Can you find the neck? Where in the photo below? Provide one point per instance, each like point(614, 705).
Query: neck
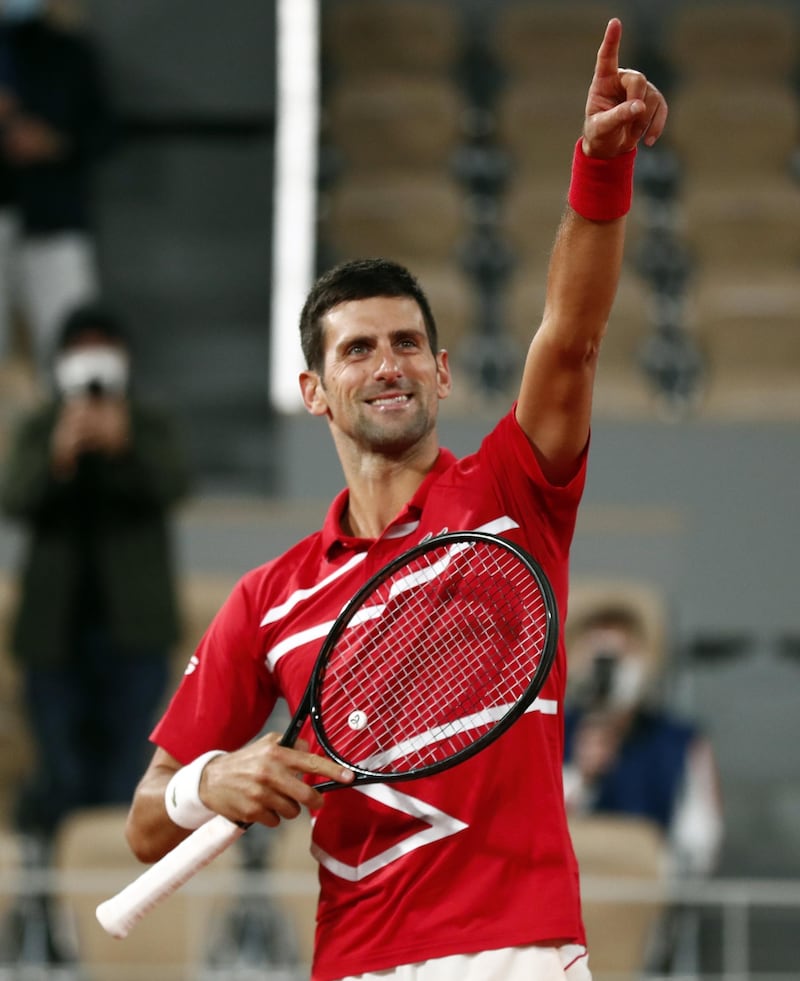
point(380, 488)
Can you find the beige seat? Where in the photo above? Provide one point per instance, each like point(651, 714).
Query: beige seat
point(539, 125)
point(452, 298)
point(746, 40)
point(413, 219)
point(360, 37)
point(551, 40)
point(743, 231)
point(732, 131)
point(622, 863)
point(394, 122)
point(11, 866)
point(93, 861)
point(748, 325)
point(529, 215)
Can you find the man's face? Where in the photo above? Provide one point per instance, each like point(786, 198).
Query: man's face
point(380, 385)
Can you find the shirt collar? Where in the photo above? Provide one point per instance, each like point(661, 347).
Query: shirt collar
point(334, 537)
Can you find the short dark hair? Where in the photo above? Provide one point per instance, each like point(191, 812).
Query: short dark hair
point(358, 279)
point(92, 317)
point(614, 616)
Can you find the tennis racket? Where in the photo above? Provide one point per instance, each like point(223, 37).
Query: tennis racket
point(429, 662)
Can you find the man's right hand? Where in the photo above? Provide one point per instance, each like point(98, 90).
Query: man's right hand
point(263, 782)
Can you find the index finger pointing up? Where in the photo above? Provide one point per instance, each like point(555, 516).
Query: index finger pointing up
point(608, 53)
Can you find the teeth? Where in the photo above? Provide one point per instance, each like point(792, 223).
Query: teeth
point(392, 401)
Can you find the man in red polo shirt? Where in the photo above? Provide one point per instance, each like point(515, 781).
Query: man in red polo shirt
point(468, 874)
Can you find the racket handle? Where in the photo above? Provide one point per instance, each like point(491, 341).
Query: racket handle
point(119, 914)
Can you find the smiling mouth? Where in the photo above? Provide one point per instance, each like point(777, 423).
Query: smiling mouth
point(389, 400)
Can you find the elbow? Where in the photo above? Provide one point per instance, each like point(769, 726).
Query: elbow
point(138, 843)
point(572, 347)
point(148, 845)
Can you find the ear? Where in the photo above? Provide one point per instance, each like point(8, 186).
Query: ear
point(443, 377)
point(313, 393)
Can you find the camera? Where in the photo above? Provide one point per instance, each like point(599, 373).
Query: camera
point(614, 681)
point(597, 688)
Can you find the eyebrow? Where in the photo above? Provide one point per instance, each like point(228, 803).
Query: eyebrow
point(369, 337)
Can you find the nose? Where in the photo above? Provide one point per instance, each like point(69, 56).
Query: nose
point(388, 367)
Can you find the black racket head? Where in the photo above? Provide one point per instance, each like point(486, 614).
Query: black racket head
point(434, 657)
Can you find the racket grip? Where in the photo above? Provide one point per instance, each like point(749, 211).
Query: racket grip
point(119, 914)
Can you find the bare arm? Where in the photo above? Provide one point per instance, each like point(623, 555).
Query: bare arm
point(262, 782)
point(555, 397)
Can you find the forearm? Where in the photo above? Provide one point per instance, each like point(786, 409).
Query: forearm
point(555, 400)
point(149, 830)
point(582, 282)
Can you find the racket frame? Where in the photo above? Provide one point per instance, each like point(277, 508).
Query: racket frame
point(309, 706)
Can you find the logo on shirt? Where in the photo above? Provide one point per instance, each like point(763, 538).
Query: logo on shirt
point(434, 825)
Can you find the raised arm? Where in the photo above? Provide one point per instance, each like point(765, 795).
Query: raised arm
point(555, 397)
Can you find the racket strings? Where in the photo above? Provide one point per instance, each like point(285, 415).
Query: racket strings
point(455, 645)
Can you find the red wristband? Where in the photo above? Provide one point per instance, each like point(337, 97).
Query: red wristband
point(601, 189)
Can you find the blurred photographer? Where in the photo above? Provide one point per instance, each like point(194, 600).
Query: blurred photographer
point(626, 754)
point(93, 475)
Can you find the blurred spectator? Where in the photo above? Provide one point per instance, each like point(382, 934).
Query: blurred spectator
point(55, 122)
point(92, 474)
point(624, 754)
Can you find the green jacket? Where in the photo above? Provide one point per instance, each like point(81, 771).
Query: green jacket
point(131, 496)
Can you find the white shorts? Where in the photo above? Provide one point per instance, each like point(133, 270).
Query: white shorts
point(569, 963)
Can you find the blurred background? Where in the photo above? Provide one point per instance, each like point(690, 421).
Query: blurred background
point(442, 135)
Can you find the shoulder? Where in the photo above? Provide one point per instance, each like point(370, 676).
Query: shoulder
point(302, 563)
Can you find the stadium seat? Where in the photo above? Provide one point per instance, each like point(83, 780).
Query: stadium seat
point(361, 37)
point(728, 131)
point(747, 41)
point(408, 218)
point(93, 861)
point(394, 121)
point(538, 126)
point(550, 40)
point(750, 229)
point(529, 214)
point(11, 868)
point(748, 327)
point(613, 853)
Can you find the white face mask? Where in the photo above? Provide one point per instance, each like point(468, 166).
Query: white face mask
point(627, 685)
point(19, 10)
point(92, 371)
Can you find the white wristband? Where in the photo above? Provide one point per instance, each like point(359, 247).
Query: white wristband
point(182, 796)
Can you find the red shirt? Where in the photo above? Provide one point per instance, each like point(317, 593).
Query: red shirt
point(477, 857)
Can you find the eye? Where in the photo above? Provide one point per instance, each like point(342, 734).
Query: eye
point(408, 343)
